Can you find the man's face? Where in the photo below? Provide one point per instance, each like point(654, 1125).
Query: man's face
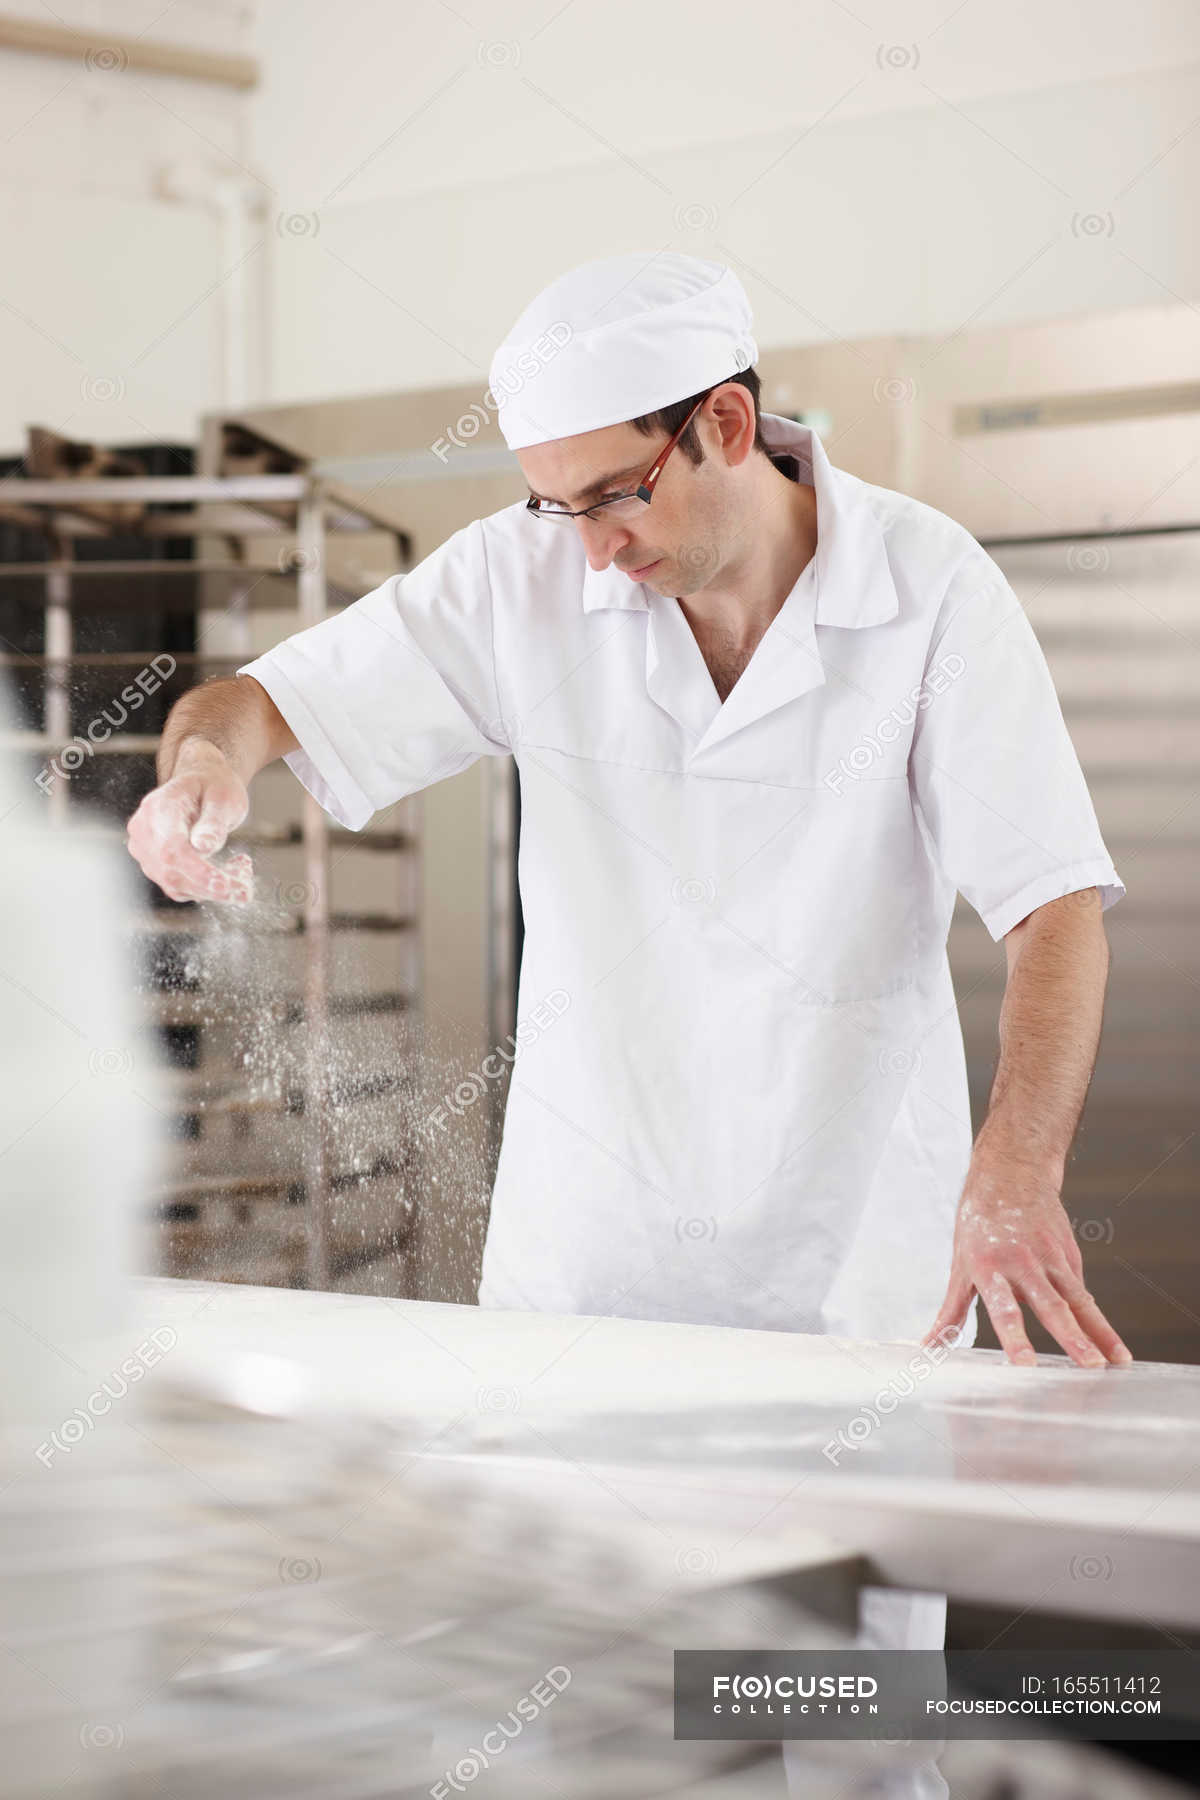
point(680, 532)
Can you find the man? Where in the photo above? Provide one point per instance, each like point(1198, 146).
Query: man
point(768, 719)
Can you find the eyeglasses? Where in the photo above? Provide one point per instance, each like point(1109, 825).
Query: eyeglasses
point(619, 506)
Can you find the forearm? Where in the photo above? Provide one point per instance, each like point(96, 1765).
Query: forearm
point(1013, 1243)
point(236, 717)
point(1049, 1032)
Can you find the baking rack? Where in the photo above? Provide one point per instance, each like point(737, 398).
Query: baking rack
point(268, 539)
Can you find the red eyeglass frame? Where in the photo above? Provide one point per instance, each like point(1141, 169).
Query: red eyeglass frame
point(643, 491)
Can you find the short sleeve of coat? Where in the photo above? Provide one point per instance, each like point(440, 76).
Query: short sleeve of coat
point(994, 773)
point(398, 690)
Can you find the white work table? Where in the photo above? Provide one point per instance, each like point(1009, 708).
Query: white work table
point(1054, 1488)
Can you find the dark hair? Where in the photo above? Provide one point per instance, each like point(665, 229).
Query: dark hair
point(670, 418)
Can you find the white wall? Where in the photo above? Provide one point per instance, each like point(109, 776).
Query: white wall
point(415, 176)
point(886, 167)
point(112, 303)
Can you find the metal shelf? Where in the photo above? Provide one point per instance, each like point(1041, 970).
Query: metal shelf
point(269, 837)
point(128, 744)
point(338, 834)
point(188, 923)
point(172, 565)
point(371, 921)
point(287, 1185)
point(238, 506)
point(179, 1007)
point(112, 659)
point(192, 1090)
point(223, 511)
point(184, 922)
point(239, 586)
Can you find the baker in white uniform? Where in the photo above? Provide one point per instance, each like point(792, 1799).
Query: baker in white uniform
point(768, 719)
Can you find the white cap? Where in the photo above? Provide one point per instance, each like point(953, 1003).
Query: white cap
point(614, 339)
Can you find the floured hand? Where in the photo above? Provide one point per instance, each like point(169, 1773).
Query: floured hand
point(1014, 1247)
point(179, 826)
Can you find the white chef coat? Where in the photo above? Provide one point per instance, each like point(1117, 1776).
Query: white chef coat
point(739, 1095)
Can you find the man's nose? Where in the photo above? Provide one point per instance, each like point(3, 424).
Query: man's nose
point(600, 541)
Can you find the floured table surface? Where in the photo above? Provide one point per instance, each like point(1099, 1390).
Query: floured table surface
point(756, 1452)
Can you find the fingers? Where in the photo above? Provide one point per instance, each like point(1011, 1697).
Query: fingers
point(192, 877)
point(178, 869)
point(1073, 1254)
point(241, 878)
point(1063, 1305)
point(159, 839)
point(1054, 1313)
point(1090, 1317)
point(1002, 1309)
point(953, 1311)
point(212, 827)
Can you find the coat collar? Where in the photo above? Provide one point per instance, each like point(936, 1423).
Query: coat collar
point(854, 583)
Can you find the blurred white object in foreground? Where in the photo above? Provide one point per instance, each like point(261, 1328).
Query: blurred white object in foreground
point(80, 1137)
